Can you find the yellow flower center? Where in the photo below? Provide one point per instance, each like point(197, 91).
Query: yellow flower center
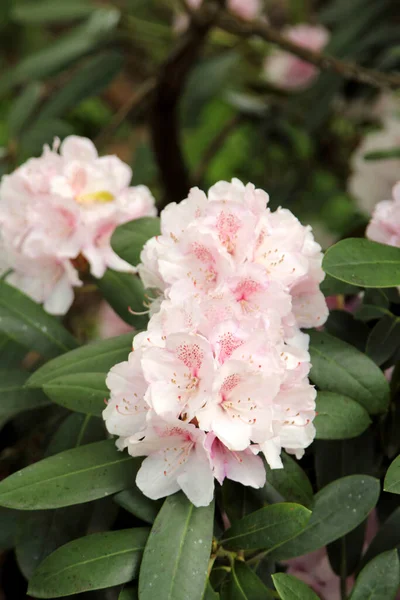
point(101, 197)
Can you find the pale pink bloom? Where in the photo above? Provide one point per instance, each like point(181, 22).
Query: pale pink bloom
point(384, 226)
point(176, 459)
point(244, 9)
point(244, 467)
point(286, 70)
point(61, 206)
point(109, 324)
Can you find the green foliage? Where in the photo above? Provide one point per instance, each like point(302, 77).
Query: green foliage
point(14, 398)
point(392, 479)
point(291, 482)
point(177, 552)
point(246, 585)
point(290, 588)
point(339, 417)
point(126, 294)
point(129, 239)
point(379, 579)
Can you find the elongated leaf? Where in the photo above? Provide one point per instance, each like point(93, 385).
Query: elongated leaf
point(333, 287)
point(26, 323)
point(94, 562)
point(379, 579)
point(50, 11)
point(339, 417)
point(387, 538)
point(72, 477)
point(14, 398)
point(84, 392)
point(384, 339)
point(11, 353)
point(88, 81)
point(364, 263)
point(176, 556)
point(138, 504)
point(346, 327)
point(128, 239)
point(267, 528)
point(340, 368)
point(98, 358)
point(209, 593)
point(125, 292)
point(383, 154)
point(8, 527)
point(291, 588)
point(246, 585)
point(64, 50)
point(40, 532)
point(291, 482)
point(392, 479)
point(338, 508)
point(24, 107)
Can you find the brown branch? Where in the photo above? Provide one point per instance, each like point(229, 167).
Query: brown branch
point(164, 120)
point(348, 70)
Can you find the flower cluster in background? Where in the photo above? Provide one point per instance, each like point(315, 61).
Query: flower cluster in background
point(244, 9)
point(288, 71)
point(222, 371)
point(58, 212)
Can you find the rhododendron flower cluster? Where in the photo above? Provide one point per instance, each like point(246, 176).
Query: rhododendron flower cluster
point(244, 9)
point(59, 211)
point(385, 223)
point(221, 374)
point(286, 70)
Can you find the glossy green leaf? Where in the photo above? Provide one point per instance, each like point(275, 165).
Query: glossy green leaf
point(93, 562)
point(379, 579)
point(26, 323)
point(84, 392)
point(291, 482)
point(339, 417)
point(14, 398)
point(94, 76)
point(128, 239)
point(386, 538)
point(72, 477)
point(384, 339)
point(340, 368)
point(291, 588)
point(209, 593)
point(364, 263)
point(246, 585)
point(50, 11)
point(177, 553)
point(11, 353)
point(138, 504)
point(392, 479)
point(240, 500)
point(97, 357)
point(333, 287)
point(40, 532)
point(125, 293)
point(64, 50)
point(338, 508)
point(267, 528)
point(23, 107)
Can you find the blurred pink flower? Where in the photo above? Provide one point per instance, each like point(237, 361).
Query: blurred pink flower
point(109, 324)
point(384, 226)
point(244, 9)
point(288, 71)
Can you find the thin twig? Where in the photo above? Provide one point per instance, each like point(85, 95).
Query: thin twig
point(138, 100)
point(164, 122)
point(215, 145)
point(348, 70)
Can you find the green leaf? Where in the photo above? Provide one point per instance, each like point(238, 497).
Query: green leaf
point(364, 263)
point(50, 11)
point(340, 368)
point(339, 417)
point(390, 153)
point(338, 508)
point(342, 324)
point(246, 585)
point(90, 80)
point(291, 588)
point(14, 398)
point(267, 528)
point(42, 531)
point(291, 482)
point(8, 527)
point(384, 339)
point(128, 239)
point(129, 593)
point(71, 477)
point(93, 562)
point(209, 593)
point(379, 579)
point(392, 479)
point(386, 538)
point(11, 353)
point(23, 107)
point(97, 357)
point(67, 48)
point(138, 504)
point(125, 293)
point(26, 323)
point(84, 392)
point(333, 287)
point(40, 133)
point(177, 553)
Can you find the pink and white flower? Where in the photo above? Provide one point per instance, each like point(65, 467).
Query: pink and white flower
point(244, 9)
point(385, 223)
point(286, 70)
point(63, 206)
point(223, 366)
